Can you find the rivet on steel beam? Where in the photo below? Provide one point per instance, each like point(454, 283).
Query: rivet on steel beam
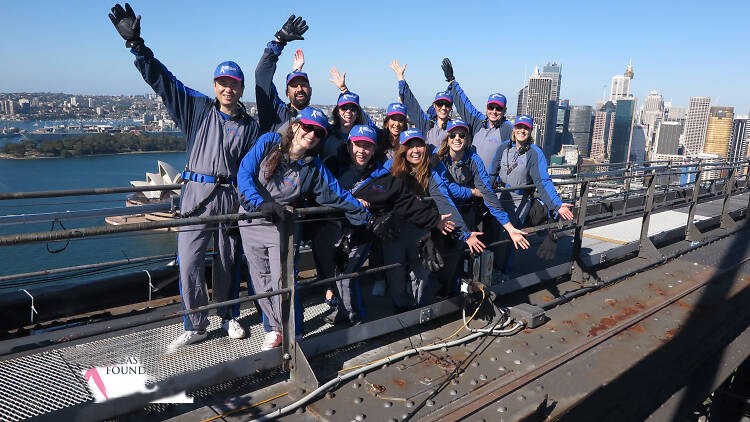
point(393, 420)
point(532, 353)
point(509, 351)
point(361, 376)
point(521, 397)
point(401, 367)
point(473, 382)
point(430, 403)
point(483, 377)
point(492, 359)
point(330, 412)
point(540, 337)
point(502, 409)
point(409, 403)
point(568, 373)
point(359, 417)
point(454, 381)
point(286, 356)
point(356, 385)
point(388, 404)
point(524, 343)
point(358, 400)
point(501, 368)
point(549, 346)
point(517, 362)
point(404, 416)
point(453, 392)
point(474, 364)
point(539, 387)
point(443, 349)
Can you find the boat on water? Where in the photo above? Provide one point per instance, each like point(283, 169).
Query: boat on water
point(610, 320)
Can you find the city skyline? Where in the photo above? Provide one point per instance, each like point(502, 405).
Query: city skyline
point(81, 53)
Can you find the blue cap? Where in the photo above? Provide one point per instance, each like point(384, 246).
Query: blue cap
point(348, 98)
point(396, 108)
point(525, 120)
point(293, 75)
point(443, 95)
point(498, 99)
point(363, 133)
point(230, 69)
point(452, 124)
point(410, 134)
point(313, 116)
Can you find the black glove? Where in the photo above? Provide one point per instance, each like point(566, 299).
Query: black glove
point(343, 248)
point(548, 249)
point(127, 24)
point(448, 70)
point(273, 212)
point(486, 310)
point(428, 254)
point(292, 30)
point(382, 227)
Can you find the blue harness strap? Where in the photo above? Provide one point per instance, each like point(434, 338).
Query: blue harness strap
point(204, 178)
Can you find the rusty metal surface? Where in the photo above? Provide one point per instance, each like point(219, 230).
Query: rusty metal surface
point(508, 378)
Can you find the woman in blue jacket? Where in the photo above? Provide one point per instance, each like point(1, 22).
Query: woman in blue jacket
point(277, 171)
point(412, 165)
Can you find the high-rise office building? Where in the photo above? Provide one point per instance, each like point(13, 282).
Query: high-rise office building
point(738, 142)
point(719, 130)
point(10, 105)
point(653, 108)
point(523, 99)
point(638, 143)
point(91, 103)
point(667, 138)
point(543, 111)
point(622, 130)
point(621, 84)
point(579, 126)
point(674, 114)
point(601, 131)
point(553, 71)
point(696, 123)
point(73, 102)
point(562, 132)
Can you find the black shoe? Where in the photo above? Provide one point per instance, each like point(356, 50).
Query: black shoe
point(332, 317)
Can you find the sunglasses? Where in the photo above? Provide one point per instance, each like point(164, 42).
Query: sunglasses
point(349, 107)
point(495, 107)
point(318, 132)
point(461, 135)
point(442, 104)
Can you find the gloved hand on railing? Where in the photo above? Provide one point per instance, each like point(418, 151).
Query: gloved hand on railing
point(273, 211)
point(381, 226)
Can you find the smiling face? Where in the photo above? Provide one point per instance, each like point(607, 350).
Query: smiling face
point(415, 151)
point(347, 114)
point(521, 132)
point(298, 90)
point(361, 152)
point(495, 112)
point(442, 108)
point(396, 124)
point(306, 137)
point(228, 91)
point(457, 139)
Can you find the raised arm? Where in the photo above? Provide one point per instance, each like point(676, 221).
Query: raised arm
point(183, 104)
point(465, 109)
point(413, 109)
point(339, 80)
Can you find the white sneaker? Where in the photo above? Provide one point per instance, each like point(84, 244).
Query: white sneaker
point(233, 328)
point(188, 337)
point(378, 288)
point(272, 340)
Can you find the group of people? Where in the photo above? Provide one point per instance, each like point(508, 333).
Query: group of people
point(379, 176)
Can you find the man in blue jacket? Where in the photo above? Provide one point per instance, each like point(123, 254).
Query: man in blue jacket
point(219, 133)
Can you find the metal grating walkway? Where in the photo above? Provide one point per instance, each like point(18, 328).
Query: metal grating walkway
point(45, 382)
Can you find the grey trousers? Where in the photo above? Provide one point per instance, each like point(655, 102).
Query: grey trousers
point(260, 241)
point(191, 251)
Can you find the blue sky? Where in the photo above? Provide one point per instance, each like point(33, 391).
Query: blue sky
point(680, 49)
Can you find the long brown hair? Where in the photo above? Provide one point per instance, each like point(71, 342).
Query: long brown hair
point(385, 141)
point(283, 148)
point(444, 148)
point(418, 179)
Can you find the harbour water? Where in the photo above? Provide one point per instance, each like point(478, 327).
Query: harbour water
point(77, 173)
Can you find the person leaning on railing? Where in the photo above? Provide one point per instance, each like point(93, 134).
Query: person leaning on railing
point(518, 162)
point(277, 172)
point(411, 164)
point(219, 132)
point(358, 171)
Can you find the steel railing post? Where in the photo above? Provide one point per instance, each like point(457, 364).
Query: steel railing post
point(628, 178)
point(288, 311)
point(727, 223)
point(577, 272)
point(646, 248)
point(692, 233)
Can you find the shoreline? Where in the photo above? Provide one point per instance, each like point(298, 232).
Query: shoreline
point(11, 157)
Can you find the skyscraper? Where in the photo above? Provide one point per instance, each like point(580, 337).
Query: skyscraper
point(523, 99)
point(696, 123)
point(580, 128)
point(553, 71)
point(621, 84)
point(601, 132)
point(543, 111)
point(622, 130)
point(719, 130)
point(562, 133)
point(738, 143)
point(668, 138)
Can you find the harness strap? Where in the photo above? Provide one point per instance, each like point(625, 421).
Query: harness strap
point(205, 178)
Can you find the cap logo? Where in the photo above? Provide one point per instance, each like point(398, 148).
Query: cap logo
point(225, 68)
point(317, 114)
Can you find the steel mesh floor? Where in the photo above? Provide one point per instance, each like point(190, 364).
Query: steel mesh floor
point(48, 381)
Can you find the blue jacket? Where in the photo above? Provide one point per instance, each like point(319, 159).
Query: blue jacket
point(291, 180)
point(433, 134)
point(468, 173)
point(518, 168)
point(273, 113)
point(438, 191)
point(486, 139)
